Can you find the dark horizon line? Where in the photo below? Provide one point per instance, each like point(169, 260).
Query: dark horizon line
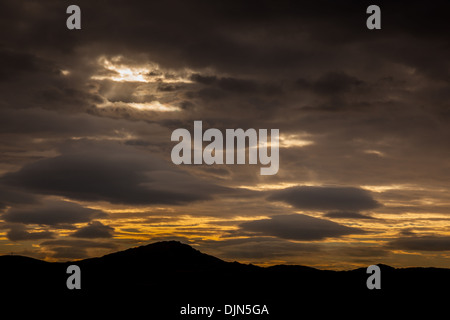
point(173, 242)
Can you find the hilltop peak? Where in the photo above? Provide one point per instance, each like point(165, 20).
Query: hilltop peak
point(167, 255)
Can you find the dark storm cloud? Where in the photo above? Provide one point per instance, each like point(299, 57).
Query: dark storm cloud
point(113, 173)
point(11, 196)
point(203, 79)
point(421, 243)
point(52, 213)
point(16, 64)
point(299, 227)
point(326, 198)
point(245, 45)
point(61, 127)
point(94, 229)
point(46, 123)
point(40, 83)
point(20, 233)
point(334, 83)
point(236, 85)
point(249, 49)
point(243, 36)
point(347, 215)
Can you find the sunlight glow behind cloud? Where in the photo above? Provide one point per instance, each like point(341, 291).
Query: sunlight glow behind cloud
point(116, 69)
point(294, 140)
point(154, 106)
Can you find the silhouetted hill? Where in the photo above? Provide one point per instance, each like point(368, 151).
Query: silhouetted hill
point(160, 278)
point(162, 255)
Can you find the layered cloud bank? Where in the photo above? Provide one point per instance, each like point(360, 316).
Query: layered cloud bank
point(86, 118)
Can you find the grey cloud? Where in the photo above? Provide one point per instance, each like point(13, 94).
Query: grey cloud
point(113, 173)
point(94, 229)
point(326, 198)
point(421, 243)
point(299, 227)
point(74, 249)
point(79, 243)
point(16, 64)
point(41, 123)
point(11, 196)
point(228, 83)
point(335, 83)
point(51, 212)
point(168, 87)
point(69, 253)
point(347, 215)
point(241, 36)
point(44, 84)
point(408, 232)
point(118, 91)
point(20, 233)
point(203, 79)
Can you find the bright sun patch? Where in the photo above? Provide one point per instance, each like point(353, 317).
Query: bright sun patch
point(294, 140)
point(117, 69)
point(154, 106)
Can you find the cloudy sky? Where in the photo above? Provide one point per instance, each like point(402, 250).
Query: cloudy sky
point(86, 118)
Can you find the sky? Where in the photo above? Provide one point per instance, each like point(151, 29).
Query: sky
point(86, 118)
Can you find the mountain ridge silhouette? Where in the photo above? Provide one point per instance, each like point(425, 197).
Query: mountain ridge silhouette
point(166, 275)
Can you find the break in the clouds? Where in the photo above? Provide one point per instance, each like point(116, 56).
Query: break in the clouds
point(326, 198)
point(299, 227)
